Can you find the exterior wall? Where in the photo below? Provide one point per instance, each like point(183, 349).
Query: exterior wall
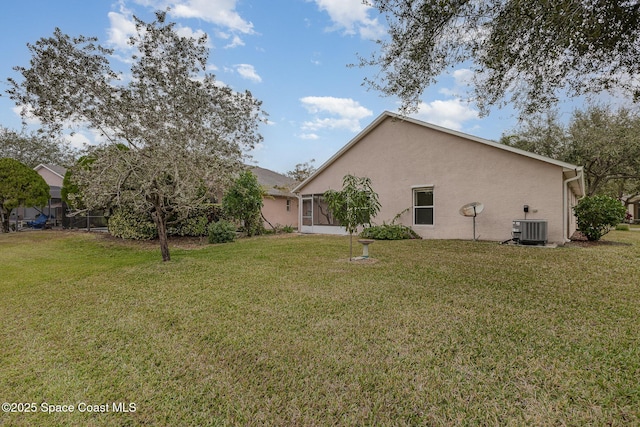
point(634, 210)
point(399, 156)
point(274, 209)
point(50, 178)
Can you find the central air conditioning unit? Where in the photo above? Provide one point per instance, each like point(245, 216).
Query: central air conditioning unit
point(529, 231)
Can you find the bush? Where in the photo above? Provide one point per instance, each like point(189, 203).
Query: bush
point(389, 232)
point(192, 226)
point(243, 202)
point(222, 232)
point(597, 215)
point(287, 229)
point(128, 225)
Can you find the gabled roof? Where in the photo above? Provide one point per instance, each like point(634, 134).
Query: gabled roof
point(569, 169)
point(274, 183)
point(58, 170)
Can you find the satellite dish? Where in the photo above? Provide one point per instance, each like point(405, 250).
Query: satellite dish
point(472, 209)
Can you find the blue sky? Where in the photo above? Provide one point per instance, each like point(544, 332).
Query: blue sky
point(291, 54)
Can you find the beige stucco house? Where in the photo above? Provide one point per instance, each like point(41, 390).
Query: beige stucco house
point(427, 173)
point(280, 205)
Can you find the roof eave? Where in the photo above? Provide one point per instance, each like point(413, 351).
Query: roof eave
point(42, 165)
point(344, 149)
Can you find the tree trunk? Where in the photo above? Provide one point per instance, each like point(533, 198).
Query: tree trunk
point(4, 221)
point(161, 224)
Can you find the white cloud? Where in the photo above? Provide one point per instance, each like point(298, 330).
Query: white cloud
point(122, 28)
point(235, 42)
point(26, 114)
point(451, 113)
point(462, 83)
point(332, 123)
point(76, 133)
point(248, 72)
point(352, 16)
point(463, 77)
point(342, 106)
point(348, 112)
point(219, 12)
point(309, 136)
point(188, 32)
point(77, 140)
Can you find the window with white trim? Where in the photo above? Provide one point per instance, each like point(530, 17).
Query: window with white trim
point(423, 206)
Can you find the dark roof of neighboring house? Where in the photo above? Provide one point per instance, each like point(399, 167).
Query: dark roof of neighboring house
point(274, 183)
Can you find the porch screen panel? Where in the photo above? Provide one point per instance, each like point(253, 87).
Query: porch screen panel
point(307, 211)
point(321, 213)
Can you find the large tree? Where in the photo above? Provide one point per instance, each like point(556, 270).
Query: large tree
point(185, 134)
point(34, 148)
point(302, 171)
point(19, 186)
point(527, 52)
point(605, 142)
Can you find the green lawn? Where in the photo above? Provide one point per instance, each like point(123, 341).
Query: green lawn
point(286, 331)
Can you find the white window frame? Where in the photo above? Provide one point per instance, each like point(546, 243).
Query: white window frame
point(418, 188)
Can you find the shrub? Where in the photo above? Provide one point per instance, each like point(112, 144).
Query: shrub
point(222, 232)
point(129, 225)
point(287, 229)
point(126, 224)
point(243, 202)
point(597, 215)
point(192, 226)
point(389, 232)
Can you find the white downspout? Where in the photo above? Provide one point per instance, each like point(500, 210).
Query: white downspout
point(565, 207)
point(299, 198)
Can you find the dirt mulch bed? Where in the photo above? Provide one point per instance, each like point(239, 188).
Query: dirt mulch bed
point(591, 244)
point(579, 240)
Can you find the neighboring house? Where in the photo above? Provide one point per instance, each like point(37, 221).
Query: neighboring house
point(633, 208)
point(53, 175)
point(280, 205)
point(427, 173)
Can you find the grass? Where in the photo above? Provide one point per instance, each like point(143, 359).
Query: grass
point(286, 331)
